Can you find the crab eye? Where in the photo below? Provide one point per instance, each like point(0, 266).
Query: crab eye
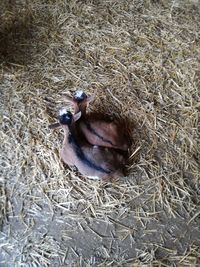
point(79, 95)
point(65, 117)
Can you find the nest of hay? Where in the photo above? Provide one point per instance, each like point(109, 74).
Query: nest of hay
point(142, 58)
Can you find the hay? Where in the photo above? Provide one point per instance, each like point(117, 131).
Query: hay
point(142, 58)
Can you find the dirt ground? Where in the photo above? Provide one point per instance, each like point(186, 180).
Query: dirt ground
point(143, 58)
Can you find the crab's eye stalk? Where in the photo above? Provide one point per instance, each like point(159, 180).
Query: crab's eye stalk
point(65, 117)
point(79, 95)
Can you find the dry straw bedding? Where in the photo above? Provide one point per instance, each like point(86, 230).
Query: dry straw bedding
point(143, 58)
